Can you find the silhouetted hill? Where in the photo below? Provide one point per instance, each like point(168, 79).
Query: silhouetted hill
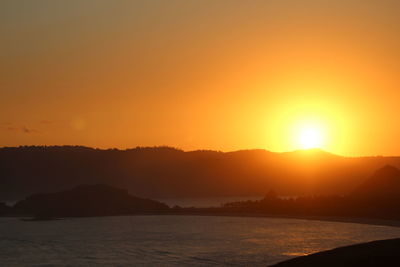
point(86, 200)
point(167, 172)
point(384, 183)
point(4, 209)
point(371, 254)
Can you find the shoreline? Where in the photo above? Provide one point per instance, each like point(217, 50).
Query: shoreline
point(369, 221)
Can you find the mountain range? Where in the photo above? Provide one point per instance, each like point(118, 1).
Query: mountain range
point(160, 172)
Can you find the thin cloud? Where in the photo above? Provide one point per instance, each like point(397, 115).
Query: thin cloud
point(27, 130)
point(46, 122)
point(20, 129)
point(8, 128)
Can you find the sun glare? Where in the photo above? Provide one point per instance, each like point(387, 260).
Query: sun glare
point(310, 137)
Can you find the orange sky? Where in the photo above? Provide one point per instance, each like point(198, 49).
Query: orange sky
point(221, 75)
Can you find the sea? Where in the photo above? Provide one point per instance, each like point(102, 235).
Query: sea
point(205, 202)
point(168, 240)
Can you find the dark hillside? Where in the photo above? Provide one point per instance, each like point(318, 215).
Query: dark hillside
point(168, 172)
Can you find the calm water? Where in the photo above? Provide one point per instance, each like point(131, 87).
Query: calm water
point(205, 202)
point(174, 240)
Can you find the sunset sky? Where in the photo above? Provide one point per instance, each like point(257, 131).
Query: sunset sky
point(221, 75)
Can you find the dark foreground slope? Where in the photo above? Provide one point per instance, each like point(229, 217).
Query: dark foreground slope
point(167, 172)
point(372, 254)
point(86, 200)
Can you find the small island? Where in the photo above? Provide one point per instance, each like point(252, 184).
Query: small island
point(85, 201)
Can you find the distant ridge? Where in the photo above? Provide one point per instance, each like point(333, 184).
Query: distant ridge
point(160, 148)
point(313, 151)
point(385, 182)
point(158, 172)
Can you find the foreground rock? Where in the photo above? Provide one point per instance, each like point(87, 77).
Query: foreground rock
point(376, 253)
point(86, 200)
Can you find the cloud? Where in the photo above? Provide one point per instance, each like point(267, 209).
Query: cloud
point(7, 128)
point(46, 122)
point(29, 130)
point(18, 129)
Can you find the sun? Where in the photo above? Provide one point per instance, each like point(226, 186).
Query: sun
point(309, 125)
point(310, 136)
